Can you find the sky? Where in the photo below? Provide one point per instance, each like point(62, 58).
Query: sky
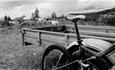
point(17, 8)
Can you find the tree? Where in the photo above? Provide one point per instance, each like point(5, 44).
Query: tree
point(36, 13)
point(6, 22)
point(107, 19)
point(111, 20)
point(54, 15)
point(32, 17)
point(5, 18)
point(62, 16)
point(9, 18)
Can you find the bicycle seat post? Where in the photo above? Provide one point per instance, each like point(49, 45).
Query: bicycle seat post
point(77, 31)
point(75, 19)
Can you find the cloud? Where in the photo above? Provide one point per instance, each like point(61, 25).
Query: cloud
point(19, 11)
point(99, 4)
point(58, 6)
point(66, 6)
point(11, 4)
point(16, 8)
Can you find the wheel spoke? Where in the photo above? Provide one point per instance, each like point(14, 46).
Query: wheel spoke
point(61, 67)
point(50, 62)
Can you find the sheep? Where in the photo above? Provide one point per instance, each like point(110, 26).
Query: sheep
point(54, 22)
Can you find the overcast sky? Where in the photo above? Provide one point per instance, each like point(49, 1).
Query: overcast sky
point(16, 8)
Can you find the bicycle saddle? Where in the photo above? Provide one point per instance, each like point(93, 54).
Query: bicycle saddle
point(75, 17)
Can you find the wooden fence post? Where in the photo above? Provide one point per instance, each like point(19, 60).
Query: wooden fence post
point(23, 41)
point(39, 38)
point(66, 40)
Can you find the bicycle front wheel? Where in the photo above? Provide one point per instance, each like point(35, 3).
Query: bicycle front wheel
point(51, 56)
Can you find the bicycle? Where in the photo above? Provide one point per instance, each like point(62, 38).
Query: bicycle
point(78, 57)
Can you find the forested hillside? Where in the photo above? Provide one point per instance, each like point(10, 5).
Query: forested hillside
point(104, 17)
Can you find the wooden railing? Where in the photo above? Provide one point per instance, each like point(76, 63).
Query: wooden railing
point(41, 36)
point(106, 29)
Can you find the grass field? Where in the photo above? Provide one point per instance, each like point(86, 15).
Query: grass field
point(15, 56)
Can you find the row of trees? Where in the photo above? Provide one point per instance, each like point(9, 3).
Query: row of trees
point(5, 21)
point(108, 19)
point(7, 18)
point(36, 15)
point(102, 19)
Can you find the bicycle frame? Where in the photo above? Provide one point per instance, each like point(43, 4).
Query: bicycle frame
point(79, 40)
point(82, 61)
point(75, 20)
point(83, 48)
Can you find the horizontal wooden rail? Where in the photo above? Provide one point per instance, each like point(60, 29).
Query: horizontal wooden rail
point(107, 29)
point(92, 33)
point(41, 36)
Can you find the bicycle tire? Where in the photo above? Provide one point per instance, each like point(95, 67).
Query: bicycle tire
point(60, 48)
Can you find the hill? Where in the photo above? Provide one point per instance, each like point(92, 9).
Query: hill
point(105, 11)
point(101, 17)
